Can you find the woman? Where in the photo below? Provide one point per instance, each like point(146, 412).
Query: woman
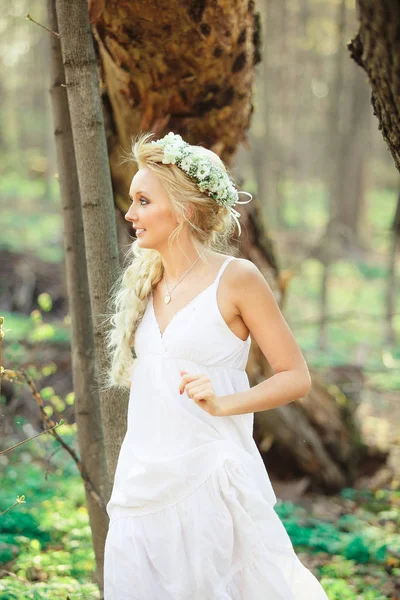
point(191, 512)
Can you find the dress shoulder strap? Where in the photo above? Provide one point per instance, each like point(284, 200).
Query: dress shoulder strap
point(222, 269)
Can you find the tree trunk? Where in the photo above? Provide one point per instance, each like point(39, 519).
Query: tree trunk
point(375, 48)
point(390, 337)
point(182, 66)
point(352, 185)
point(87, 406)
point(267, 154)
point(96, 195)
point(334, 138)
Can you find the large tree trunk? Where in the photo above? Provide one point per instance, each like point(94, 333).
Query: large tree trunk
point(87, 406)
point(189, 67)
point(96, 195)
point(184, 66)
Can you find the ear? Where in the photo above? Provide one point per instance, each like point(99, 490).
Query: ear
point(188, 212)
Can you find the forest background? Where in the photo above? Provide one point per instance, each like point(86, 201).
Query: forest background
point(314, 156)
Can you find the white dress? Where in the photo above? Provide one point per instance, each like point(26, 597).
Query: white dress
point(191, 512)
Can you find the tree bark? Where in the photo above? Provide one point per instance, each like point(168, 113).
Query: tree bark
point(184, 66)
point(375, 48)
point(96, 195)
point(87, 405)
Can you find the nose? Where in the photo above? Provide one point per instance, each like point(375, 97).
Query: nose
point(130, 216)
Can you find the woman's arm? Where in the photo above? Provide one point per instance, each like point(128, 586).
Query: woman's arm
point(256, 304)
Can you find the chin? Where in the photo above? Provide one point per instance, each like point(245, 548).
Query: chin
point(143, 243)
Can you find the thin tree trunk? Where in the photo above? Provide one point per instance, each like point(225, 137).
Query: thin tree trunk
point(323, 334)
point(334, 140)
point(267, 149)
point(96, 200)
point(333, 153)
point(87, 403)
point(391, 280)
point(350, 199)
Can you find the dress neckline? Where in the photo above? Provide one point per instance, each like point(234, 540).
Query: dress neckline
point(188, 304)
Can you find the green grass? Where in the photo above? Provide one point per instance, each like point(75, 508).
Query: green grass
point(48, 538)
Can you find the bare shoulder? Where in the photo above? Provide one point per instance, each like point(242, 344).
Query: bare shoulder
point(245, 267)
point(249, 291)
point(242, 275)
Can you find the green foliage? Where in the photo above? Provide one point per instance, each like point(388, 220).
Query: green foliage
point(355, 558)
point(34, 233)
point(338, 589)
point(32, 219)
point(47, 542)
point(45, 302)
point(20, 328)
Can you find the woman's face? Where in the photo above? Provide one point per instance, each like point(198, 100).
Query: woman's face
point(150, 211)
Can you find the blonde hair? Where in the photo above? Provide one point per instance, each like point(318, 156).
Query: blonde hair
point(210, 227)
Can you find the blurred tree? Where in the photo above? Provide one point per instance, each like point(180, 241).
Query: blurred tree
point(390, 337)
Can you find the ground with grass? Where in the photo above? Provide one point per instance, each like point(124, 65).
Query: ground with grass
point(350, 541)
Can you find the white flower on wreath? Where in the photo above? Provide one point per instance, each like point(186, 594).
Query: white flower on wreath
point(172, 139)
point(203, 170)
point(171, 154)
point(213, 183)
point(185, 163)
point(221, 186)
point(203, 186)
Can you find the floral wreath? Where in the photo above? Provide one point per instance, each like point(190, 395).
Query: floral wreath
point(210, 178)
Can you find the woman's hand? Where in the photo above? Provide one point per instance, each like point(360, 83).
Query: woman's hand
point(199, 388)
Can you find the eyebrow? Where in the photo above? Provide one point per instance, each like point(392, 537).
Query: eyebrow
point(140, 192)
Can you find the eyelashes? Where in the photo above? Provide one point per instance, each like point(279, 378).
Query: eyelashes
point(140, 200)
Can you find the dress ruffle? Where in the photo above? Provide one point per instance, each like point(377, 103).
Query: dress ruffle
point(224, 542)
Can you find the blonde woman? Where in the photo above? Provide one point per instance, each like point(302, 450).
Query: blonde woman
point(192, 509)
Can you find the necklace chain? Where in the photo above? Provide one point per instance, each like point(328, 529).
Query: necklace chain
point(167, 297)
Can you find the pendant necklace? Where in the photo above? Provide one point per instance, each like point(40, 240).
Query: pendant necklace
point(167, 297)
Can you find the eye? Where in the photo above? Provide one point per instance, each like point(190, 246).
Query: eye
point(142, 200)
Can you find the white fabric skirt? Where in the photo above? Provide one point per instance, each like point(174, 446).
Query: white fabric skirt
point(224, 541)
